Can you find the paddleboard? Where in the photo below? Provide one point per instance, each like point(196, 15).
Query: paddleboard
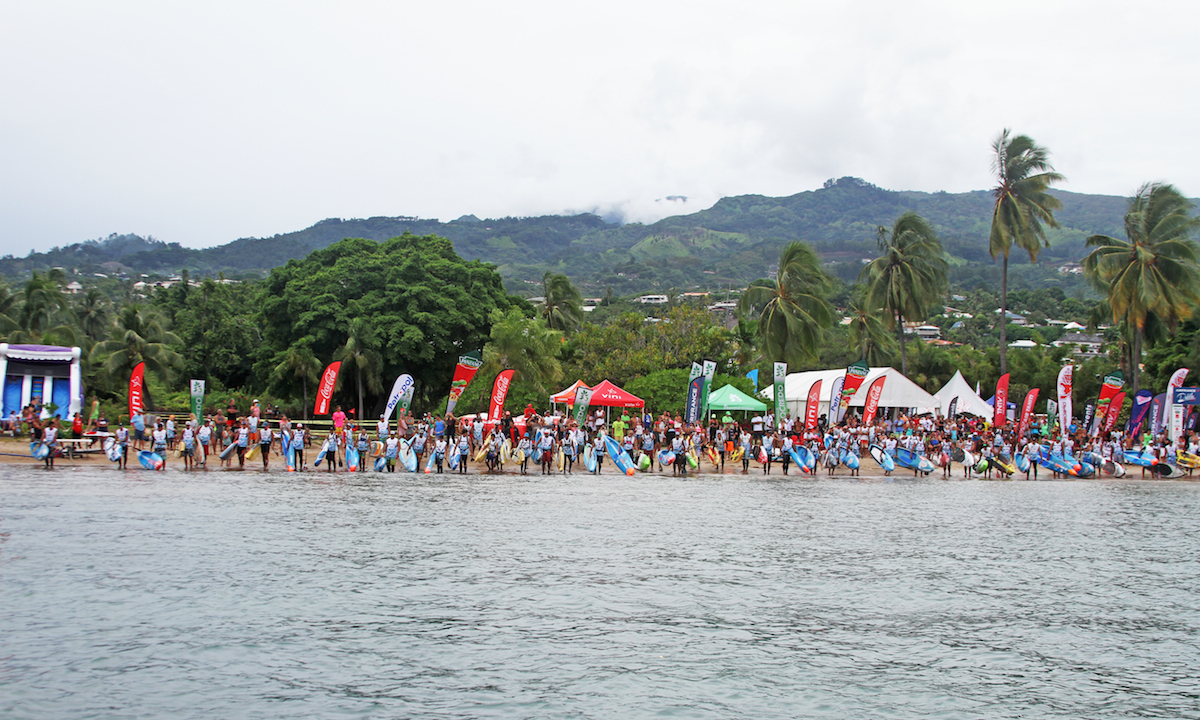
point(506, 448)
point(795, 455)
point(351, 458)
point(1021, 462)
point(380, 464)
point(908, 459)
point(665, 457)
point(1188, 460)
point(1136, 458)
point(429, 464)
point(967, 459)
point(589, 458)
point(289, 458)
point(321, 455)
point(850, 460)
point(227, 452)
point(737, 454)
point(1005, 464)
point(692, 460)
point(1118, 470)
point(982, 465)
point(645, 463)
point(452, 458)
point(150, 460)
point(805, 458)
point(376, 448)
point(38, 450)
point(408, 458)
point(479, 456)
point(620, 457)
point(252, 452)
point(884, 460)
point(561, 459)
point(112, 450)
point(762, 456)
point(957, 454)
point(517, 455)
point(831, 458)
point(712, 455)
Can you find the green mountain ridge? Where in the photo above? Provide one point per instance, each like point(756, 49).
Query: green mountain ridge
point(736, 240)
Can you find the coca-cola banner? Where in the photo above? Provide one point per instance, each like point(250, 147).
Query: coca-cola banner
point(325, 390)
point(499, 393)
point(873, 394)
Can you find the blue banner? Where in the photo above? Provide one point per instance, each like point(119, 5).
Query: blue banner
point(1137, 415)
point(695, 400)
point(753, 375)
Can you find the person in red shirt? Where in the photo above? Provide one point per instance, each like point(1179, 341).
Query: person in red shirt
point(529, 411)
point(77, 426)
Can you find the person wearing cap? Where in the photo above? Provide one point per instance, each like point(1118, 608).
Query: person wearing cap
point(255, 415)
point(391, 450)
point(265, 437)
point(381, 429)
point(298, 446)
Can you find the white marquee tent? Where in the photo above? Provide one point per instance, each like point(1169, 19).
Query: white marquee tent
point(968, 400)
point(898, 391)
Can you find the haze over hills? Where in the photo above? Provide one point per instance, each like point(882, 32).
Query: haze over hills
point(736, 240)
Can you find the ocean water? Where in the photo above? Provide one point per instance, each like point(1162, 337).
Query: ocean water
point(251, 595)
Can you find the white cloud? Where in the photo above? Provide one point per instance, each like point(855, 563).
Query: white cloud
point(205, 123)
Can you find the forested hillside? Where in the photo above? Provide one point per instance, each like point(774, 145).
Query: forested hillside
point(730, 243)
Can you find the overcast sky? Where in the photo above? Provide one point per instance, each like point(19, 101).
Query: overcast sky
point(208, 121)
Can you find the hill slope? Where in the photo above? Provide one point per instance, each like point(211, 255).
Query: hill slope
point(736, 240)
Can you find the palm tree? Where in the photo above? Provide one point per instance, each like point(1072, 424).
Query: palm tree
point(92, 314)
point(907, 280)
point(745, 334)
point(1023, 204)
point(525, 345)
point(361, 352)
point(562, 305)
point(868, 335)
point(793, 313)
point(1153, 277)
point(140, 335)
point(298, 362)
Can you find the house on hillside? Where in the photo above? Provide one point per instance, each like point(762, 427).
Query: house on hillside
point(1082, 345)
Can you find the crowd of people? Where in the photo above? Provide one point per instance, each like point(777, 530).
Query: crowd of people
point(558, 443)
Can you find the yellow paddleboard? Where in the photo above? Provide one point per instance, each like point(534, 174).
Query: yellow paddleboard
point(506, 448)
point(479, 456)
point(252, 452)
point(562, 459)
point(1188, 460)
point(737, 454)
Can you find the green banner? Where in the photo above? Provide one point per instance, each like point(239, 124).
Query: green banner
point(780, 377)
point(583, 397)
point(198, 398)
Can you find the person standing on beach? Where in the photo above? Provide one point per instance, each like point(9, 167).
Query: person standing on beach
point(50, 439)
point(266, 436)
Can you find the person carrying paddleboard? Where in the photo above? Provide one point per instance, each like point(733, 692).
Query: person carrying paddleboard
point(463, 448)
point(391, 450)
point(188, 438)
point(160, 444)
point(50, 440)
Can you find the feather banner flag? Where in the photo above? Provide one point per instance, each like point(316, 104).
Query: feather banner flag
point(325, 389)
point(500, 393)
point(872, 404)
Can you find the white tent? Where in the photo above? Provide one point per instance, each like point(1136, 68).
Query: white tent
point(968, 400)
point(898, 391)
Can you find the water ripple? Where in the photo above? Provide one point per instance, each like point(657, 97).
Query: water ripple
point(132, 595)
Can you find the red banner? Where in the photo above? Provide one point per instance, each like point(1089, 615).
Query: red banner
point(499, 393)
point(325, 391)
point(1026, 412)
point(873, 394)
point(1000, 414)
point(137, 390)
point(1114, 409)
point(812, 407)
point(466, 368)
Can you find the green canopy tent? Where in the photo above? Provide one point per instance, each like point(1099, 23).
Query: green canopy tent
point(728, 397)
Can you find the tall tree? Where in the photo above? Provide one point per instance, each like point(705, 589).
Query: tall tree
point(361, 354)
point(1023, 207)
point(793, 312)
point(1154, 275)
point(868, 334)
point(92, 314)
point(298, 363)
point(527, 346)
point(562, 305)
point(908, 279)
point(140, 335)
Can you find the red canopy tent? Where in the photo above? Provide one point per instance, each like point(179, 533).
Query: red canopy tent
point(567, 396)
point(608, 395)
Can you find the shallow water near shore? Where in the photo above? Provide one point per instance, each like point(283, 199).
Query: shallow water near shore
point(250, 595)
